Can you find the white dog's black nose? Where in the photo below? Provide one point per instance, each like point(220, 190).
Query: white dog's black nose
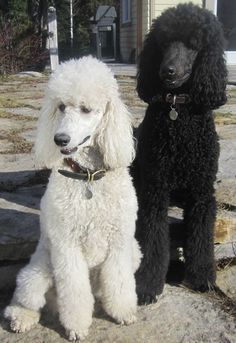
point(61, 139)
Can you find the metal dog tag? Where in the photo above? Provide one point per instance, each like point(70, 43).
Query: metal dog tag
point(89, 192)
point(173, 114)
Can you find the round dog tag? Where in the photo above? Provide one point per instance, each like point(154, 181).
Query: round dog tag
point(173, 114)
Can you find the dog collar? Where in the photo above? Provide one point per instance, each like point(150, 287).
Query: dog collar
point(171, 99)
point(80, 173)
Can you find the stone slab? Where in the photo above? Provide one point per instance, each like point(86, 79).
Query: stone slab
point(226, 250)
point(227, 160)
point(29, 74)
point(226, 191)
point(179, 316)
point(8, 275)
point(18, 170)
point(226, 280)
point(123, 69)
point(19, 222)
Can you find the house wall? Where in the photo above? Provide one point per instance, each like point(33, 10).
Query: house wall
point(129, 44)
point(128, 35)
point(161, 5)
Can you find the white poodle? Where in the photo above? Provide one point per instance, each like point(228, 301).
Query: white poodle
point(88, 212)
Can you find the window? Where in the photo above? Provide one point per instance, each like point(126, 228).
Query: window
point(126, 11)
point(226, 12)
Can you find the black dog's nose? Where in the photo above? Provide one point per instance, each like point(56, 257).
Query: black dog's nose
point(61, 139)
point(171, 70)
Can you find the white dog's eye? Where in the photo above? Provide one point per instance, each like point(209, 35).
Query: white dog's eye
point(85, 109)
point(62, 107)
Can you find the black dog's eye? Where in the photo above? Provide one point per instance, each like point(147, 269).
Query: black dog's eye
point(62, 107)
point(85, 109)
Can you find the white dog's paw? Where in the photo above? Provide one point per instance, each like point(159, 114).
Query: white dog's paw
point(21, 319)
point(128, 320)
point(76, 335)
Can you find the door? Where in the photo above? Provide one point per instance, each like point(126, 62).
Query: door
point(226, 13)
point(107, 40)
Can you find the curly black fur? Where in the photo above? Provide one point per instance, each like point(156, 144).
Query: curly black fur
point(179, 159)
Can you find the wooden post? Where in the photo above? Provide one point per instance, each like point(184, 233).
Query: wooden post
point(71, 26)
point(52, 37)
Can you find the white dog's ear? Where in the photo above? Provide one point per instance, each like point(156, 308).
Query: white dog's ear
point(115, 136)
point(46, 153)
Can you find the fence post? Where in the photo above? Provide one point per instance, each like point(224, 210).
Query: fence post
point(52, 37)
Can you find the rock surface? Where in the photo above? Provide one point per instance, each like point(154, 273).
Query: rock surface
point(179, 316)
point(226, 280)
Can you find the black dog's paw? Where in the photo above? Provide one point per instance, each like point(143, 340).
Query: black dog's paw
point(148, 287)
point(146, 299)
point(147, 295)
point(198, 286)
point(202, 279)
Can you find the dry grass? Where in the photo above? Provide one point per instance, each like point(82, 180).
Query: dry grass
point(10, 115)
point(12, 102)
point(9, 102)
point(224, 118)
point(19, 143)
point(227, 304)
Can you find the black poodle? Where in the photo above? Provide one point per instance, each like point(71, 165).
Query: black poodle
point(182, 76)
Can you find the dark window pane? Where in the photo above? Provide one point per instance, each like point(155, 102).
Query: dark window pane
point(226, 12)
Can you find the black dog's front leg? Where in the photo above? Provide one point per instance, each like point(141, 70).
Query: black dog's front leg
point(199, 249)
point(153, 236)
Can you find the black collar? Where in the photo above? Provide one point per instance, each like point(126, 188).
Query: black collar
point(171, 99)
point(80, 173)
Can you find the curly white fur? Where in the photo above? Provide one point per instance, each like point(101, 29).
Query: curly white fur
point(83, 239)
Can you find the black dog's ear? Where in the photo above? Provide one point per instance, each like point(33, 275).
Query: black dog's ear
point(208, 86)
point(148, 69)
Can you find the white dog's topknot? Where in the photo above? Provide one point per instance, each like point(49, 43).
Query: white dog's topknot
point(85, 76)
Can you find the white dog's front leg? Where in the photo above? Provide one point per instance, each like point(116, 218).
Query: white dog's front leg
point(33, 281)
point(74, 296)
point(118, 285)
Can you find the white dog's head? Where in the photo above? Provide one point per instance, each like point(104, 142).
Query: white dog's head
point(82, 107)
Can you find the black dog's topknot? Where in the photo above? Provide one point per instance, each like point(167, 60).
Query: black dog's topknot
point(198, 29)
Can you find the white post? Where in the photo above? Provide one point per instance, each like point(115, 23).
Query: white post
point(52, 34)
point(71, 24)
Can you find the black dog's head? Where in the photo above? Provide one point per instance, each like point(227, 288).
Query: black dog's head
point(184, 52)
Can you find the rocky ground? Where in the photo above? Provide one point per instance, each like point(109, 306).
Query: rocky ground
point(180, 315)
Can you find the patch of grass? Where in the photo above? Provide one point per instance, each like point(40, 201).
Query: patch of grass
point(10, 89)
point(19, 144)
point(6, 101)
point(227, 304)
point(10, 115)
point(33, 107)
point(12, 102)
point(224, 118)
